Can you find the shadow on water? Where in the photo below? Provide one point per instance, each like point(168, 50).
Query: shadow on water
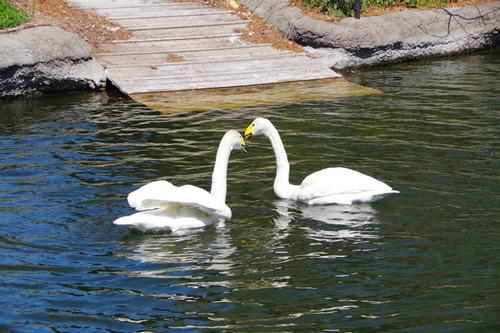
point(422, 260)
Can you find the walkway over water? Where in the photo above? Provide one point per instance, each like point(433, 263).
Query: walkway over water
point(185, 46)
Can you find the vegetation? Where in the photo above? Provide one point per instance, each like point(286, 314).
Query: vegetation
point(11, 16)
point(344, 8)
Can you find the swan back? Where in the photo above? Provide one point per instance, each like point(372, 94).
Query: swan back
point(341, 186)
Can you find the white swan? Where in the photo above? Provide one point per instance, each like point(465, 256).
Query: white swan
point(327, 186)
point(164, 206)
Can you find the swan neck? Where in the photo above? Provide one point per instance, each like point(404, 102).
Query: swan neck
point(281, 182)
point(219, 175)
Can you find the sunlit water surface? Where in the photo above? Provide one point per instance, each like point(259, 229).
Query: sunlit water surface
point(425, 260)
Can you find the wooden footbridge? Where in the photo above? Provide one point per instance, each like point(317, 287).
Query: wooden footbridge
point(182, 47)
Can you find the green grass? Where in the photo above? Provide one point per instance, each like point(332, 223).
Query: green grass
point(11, 16)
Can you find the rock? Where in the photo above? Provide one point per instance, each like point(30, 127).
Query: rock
point(45, 60)
point(389, 38)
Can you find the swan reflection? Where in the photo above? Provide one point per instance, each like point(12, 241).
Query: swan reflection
point(213, 256)
point(198, 258)
point(337, 221)
point(185, 250)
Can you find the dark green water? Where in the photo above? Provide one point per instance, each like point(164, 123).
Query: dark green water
point(425, 260)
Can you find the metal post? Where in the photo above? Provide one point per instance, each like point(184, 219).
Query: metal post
point(357, 9)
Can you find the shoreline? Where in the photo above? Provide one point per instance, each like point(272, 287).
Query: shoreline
point(389, 38)
point(34, 63)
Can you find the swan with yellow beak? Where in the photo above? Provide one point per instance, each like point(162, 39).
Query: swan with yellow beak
point(164, 206)
point(328, 186)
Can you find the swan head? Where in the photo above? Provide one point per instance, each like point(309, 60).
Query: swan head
point(238, 142)
point(258, 126)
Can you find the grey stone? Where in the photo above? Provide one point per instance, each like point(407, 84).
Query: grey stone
point(46, 60)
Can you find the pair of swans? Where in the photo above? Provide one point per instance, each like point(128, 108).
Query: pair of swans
point(164, 206)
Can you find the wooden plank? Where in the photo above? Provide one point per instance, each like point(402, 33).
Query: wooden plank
point(158, 41)
point(157, 11)
point(175, 45)
point(208, 30)
point(183, 69)
point(176, 21)
point(195, 57)
point(113, 4)
point(223, 80)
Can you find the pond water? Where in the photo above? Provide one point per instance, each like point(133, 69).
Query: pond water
point(425, 260)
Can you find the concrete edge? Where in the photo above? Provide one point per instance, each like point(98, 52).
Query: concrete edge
point(389, 38)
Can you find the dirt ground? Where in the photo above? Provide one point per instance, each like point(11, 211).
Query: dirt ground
point(97, 30)
point(94, 29)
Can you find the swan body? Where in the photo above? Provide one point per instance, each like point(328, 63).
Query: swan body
point(164, 206)
point(327, 186)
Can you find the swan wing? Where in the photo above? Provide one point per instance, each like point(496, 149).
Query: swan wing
point(167, 207)
point(341, 185)
point(136, 198)
point(162, 194)
point(189, 196)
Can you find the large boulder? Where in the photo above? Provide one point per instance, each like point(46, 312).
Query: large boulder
point(388, 38)
point(45, 60)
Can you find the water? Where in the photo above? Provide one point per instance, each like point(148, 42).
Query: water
point(425, 260)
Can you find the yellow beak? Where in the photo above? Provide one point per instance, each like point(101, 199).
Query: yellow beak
point(243, 145)
point(248, 132)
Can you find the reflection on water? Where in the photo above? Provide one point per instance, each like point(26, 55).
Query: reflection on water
point(187, 247)
point(420, 261)
point(343, 221)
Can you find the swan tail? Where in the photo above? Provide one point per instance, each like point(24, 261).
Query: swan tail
point(373, 197)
